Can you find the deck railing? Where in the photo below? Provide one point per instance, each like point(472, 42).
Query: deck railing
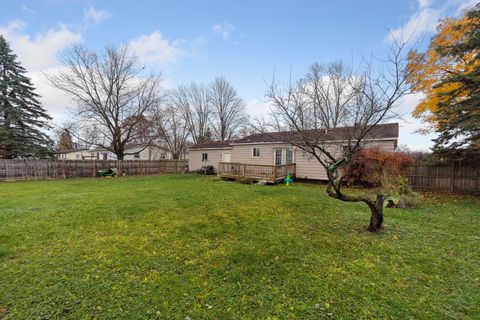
point(255, 171)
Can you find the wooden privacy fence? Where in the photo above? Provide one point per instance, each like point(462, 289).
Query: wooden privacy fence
point(32, 169)
point(453, 178)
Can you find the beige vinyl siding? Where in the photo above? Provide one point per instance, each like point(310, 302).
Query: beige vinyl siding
point(309, 167)
point(195, 158)
point(243, 153)
point(385, 145)
point(306, 167)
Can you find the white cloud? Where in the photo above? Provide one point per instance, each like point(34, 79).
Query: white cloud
point(465, 4)
point(54, 100)
point(224, 29)
point(410, 136)
point(424, 20)
point(96, 16)
point(427, 16)
point(409, 126)
point(154, 48)
point(257, 108)
point(12, 27)
point(39, 52)
point(424, 3)
point(39, 55)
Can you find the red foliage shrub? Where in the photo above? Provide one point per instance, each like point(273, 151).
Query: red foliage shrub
point(368, 166)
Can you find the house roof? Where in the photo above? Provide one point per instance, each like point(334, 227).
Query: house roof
point(131, 146)
point(381, 131)
point(68, 151)
point(212, 145)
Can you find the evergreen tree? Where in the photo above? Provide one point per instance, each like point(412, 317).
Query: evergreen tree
point(459, 110)
point(23, 120)
point(448, 75)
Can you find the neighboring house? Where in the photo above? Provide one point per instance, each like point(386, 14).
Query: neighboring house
point(135, 152)
point(79, 154)
point(268, 149)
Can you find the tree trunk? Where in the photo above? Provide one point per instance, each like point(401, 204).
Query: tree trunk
point(376, 219)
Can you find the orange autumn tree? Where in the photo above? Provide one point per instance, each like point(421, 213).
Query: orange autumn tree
point(444, 73)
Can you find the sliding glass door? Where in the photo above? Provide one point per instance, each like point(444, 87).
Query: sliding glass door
point(283, 156)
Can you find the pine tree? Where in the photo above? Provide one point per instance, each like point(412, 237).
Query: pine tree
point(448, 75)
point(459, 110)
point(23, 120)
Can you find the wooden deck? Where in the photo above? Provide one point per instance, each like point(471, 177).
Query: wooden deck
point(270, 173)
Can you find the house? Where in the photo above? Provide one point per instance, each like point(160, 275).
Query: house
point(134, 152)
point(79, 154)
point(268, 154)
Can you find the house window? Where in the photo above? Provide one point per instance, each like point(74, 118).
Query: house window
point(105, 156)
point(288, 155)
point(77, 156)
point(204, 157)
point(136, 155)
point(256, 152)
point(278, 156)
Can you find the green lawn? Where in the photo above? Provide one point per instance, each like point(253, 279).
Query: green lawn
point(182, 246)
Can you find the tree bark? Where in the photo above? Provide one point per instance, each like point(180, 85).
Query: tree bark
point(376, 219)
point(376, 208)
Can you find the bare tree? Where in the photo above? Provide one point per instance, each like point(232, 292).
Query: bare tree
point(172, 128)
point(111, 94)
point(192, 102)
point(328, 92)
point(229, 109)
point(362, 102)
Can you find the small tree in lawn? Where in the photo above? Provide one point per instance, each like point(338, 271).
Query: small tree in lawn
point(364, 100)
point(23, 120)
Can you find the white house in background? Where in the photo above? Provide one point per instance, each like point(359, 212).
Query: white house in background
point(272, 149)
point(79, 154)
point(135, 152)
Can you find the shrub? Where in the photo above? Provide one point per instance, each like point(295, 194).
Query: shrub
point(369, 166)
point(400, 194)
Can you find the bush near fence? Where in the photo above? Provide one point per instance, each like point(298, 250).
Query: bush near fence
point(33, 169)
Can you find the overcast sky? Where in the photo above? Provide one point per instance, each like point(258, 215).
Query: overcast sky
point(245, 41)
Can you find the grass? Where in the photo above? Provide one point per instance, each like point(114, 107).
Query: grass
point(182, 246)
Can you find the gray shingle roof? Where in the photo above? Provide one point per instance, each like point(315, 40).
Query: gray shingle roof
point(381, 131)
point(212, 145)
